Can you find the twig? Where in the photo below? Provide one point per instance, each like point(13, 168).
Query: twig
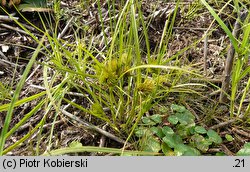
point(34, 71)
point(226, 150)
point(214, 150)
point(191, 110)
point(60, 35)
point(8, 18)
point(14, 28)
point(3, 55)
point(241, 132)
point(239, 138)
point(222, 124)
point(28, 26)
point(46, 126)
point(230, 58)
point(92, 127)
point(102, 140)
point(212, 80)
point(10, 63)
point(205, 53)
point(191, 28)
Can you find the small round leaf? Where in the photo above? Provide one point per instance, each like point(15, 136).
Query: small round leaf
point(173, 119)
point(229, 137)
point(168, 139)
point(214, 137)
point(245, 151)
point(157, 131)
point(156, 118)
point(200, 130)
point(167, 130)
point(152, 145)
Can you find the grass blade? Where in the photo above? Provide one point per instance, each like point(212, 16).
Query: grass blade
point(16, 95)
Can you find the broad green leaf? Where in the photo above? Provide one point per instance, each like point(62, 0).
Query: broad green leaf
point(169, 140)
point(156, 118)
point(245, 151)
point(157, 131)
point(180, 149)
point(214, 137)
point(172, 140)
point(183, 130)
point(192, 130)
point(173, 119)
point(185, 150)
point(148, 121)
point(167, 130)
point(185, 118)
point(139, 132)
point(191, 152)
point(200, 142)
point(152, 145)
point(167, 150)
point(203, 145)
point(177, 139)
point(178, 108)
point(200, 130)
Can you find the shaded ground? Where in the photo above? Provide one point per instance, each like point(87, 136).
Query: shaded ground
point(188, 28)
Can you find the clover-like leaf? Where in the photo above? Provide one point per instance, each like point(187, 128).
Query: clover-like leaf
point(167, 150)
point(229, 137)
point(169, 140)
point(156, 118)
point(185, 118)
point(140, 131)
point(185, 150)
point(245, 151)
point(178, 108)
point(167, 130)
point(148, 121)
point(200, 130)
point(173, 119)
point(200, 142)
point(152, 144)
point(214, 137)
point(191, 151)
point(183, 130)
point(157, 131)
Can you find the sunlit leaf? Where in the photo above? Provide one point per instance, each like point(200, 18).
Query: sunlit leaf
point(214, 137)
point(200, 130)
point(156, 118)
point(167, 130)
point(152, 145)
point(245, 151)
point(75, 144)
point(173, 119)
point(157, 131)
point(229, 137)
